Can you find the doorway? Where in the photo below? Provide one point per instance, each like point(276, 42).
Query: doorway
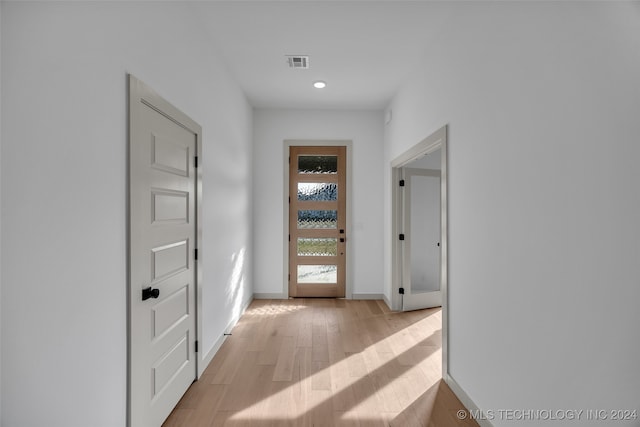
point(317, 221)
point(429, 154)
point(419, 252)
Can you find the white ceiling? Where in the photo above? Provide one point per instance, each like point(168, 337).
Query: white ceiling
point(362, 49)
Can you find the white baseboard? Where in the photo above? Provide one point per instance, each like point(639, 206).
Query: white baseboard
point(367, 296)
point(266, 295)
point(386, 301)
point(466, 401)
point(211, 352)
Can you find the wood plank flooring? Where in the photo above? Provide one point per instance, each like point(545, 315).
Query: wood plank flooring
point(324, 362)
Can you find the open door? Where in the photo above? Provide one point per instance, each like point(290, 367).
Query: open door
point(421, 245)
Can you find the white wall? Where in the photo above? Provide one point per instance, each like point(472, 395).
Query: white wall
point(365, 129)
point(542, 102)
point(64, 211)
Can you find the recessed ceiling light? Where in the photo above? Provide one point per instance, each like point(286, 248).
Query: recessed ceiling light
point(319, 84)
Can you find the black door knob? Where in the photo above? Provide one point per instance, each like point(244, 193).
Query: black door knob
point(150, 293)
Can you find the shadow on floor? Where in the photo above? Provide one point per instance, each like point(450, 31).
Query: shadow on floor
point(437, 407)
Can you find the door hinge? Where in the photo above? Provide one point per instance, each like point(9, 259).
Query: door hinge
point(289, 237)
point(196, 346)
point(401, 237)
point(195, 254)
point(401, 291)
point(195, 162)
point(289, 277)
point(402, 183)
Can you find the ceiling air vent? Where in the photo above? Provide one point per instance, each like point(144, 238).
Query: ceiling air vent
point(298, 61)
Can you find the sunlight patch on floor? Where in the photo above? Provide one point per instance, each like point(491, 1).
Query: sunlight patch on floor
point(381, 377)
point(270, 310)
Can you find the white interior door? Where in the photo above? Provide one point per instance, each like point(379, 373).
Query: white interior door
point(162, 312)
point(421, 279)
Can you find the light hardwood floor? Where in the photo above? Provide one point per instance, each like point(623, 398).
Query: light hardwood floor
point(325, 362)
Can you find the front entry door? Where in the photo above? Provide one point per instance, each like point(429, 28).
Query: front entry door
point(162, 239)
point(317, 221)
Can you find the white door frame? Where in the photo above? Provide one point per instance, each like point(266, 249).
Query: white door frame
point(140, 92)
point(435, 141)
point(285, 236)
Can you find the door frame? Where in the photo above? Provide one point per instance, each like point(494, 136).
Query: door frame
point(437, 140)
point(138, 91)
point(285, 203)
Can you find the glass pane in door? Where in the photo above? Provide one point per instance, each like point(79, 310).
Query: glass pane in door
point(318, 164)
point(317, 191)
point(317, 273)
point(317, 219)
point(317, 246)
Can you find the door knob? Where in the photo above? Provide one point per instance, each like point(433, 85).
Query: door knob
point(150, 293)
